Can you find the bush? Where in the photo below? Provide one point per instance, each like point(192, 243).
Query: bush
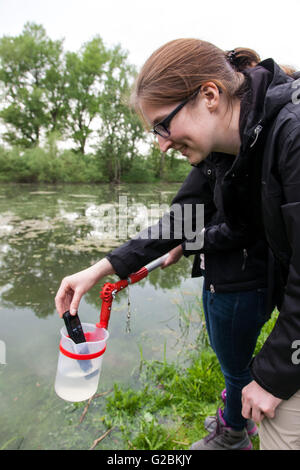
point(140, 172)
point(47, 165)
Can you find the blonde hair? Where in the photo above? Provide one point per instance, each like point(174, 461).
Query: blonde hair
point(288, 69)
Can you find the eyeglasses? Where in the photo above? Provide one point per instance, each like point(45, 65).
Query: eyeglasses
point(162, 127)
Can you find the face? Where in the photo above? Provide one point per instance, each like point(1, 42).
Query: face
point(194, 129)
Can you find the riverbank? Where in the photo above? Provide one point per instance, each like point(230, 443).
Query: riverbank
point(166, 410)
point(51, 165)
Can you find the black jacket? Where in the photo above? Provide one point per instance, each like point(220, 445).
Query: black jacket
point(272, 128)
point(234, 260)
point(262, 187)
point(279, 121)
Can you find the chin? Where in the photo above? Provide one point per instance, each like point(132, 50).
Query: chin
point(195, 159)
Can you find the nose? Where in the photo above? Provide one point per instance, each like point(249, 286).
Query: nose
point(164, 144)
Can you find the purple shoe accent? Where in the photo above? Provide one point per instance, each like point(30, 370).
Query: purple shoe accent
point(250, 447)
point(220, 414)
point(223, 437)
point(253, 431)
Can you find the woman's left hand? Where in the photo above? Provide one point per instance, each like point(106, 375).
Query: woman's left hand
point(258, 403)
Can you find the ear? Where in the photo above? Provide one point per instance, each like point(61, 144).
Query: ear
point(211, 94)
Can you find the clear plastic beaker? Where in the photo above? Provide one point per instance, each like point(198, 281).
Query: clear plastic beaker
point(79, 365)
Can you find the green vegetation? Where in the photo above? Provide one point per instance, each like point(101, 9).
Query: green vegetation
point(51, 165)
point(79, 100)
point(167, 409)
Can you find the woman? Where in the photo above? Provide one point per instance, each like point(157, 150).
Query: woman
point(199, 104)
point(233, 297)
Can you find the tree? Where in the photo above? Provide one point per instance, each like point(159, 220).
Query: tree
point(56, 96)
point(120, 129)
point(26, 63)
point(80, 95)
point(84, 76)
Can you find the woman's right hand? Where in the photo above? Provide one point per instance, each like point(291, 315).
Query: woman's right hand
point(73, 287)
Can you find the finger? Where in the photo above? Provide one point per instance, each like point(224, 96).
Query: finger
point(246, 409)
point(60, 304)
point(63, 298)
point(257, 415)
point(167, 262)
point(75, 303)
point(270, 413)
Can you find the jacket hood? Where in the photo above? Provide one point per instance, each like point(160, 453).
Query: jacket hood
point(280, 90)
point(269, 89)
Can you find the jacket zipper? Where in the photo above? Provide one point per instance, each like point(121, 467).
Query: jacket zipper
point(245, 256)
point(257, 131)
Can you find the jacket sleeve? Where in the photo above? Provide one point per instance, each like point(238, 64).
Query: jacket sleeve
point(184, 220)
point(220, 238)
point(218, 235)
point(183, 225)
point(277, 366)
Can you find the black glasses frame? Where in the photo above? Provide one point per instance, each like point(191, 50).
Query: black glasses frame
point(161, 128)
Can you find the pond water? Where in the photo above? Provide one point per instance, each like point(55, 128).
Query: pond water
point(46, 233)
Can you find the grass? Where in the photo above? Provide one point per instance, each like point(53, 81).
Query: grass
point(167, 408)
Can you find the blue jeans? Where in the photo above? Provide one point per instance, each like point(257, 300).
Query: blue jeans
point(233, 322)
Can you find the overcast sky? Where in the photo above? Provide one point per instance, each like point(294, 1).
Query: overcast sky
point(269, 27)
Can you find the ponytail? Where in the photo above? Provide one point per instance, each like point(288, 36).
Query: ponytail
point(242, 58)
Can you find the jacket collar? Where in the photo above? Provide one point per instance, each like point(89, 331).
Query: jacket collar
point(269, 89)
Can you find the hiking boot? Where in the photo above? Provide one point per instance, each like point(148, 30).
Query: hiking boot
point(223, 438)
point(210, 421)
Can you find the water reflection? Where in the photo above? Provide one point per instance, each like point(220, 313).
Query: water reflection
point(46, 235)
